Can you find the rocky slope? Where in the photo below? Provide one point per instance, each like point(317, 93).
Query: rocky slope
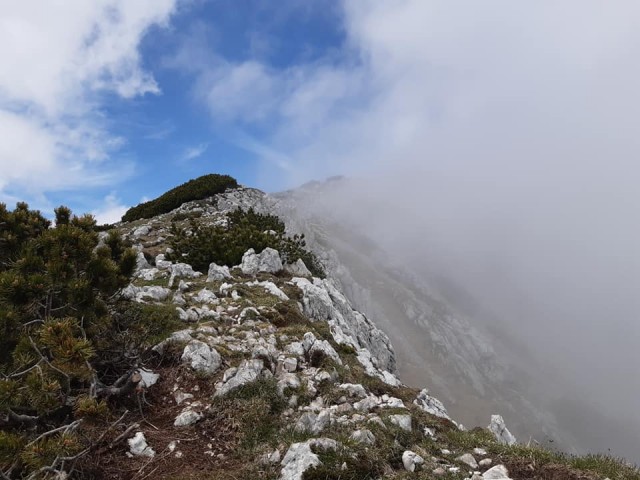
point(277, 375)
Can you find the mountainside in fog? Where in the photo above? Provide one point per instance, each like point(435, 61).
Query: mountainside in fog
point(236, 347)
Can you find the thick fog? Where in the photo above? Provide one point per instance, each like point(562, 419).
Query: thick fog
point(496, 144)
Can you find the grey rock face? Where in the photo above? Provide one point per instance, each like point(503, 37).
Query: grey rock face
point(499, 429)
point(267, 261)
point(323, 301)
point(201, 357)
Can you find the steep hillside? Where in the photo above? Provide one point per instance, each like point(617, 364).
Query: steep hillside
point(261, 370)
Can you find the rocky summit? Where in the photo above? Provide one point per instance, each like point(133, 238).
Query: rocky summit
point(261, 368)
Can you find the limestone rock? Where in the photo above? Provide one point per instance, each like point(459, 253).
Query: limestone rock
point(217, 272)
point(354, 389)
point(500, 431)
point(299, 458)
point(267, 261)
point(363, 436)
point(138, 446)
point(205, 296)
point(468, 459)
point(431, 405)
point(298, 269)
point(182, 270)
point(411, 460)
point(313, 423)
point(499, 472)
point(149, 378)
point(402, 421)
point(186, 418)
point(201, 357)
point(248, 371)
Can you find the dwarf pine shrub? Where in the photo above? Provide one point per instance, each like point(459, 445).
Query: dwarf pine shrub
point(199, 244)
point(197, 189)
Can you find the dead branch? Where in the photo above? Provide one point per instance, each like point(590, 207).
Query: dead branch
point(120, 388)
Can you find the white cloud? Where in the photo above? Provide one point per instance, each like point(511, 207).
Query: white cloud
point(196, 151)
point(58, 61)
point(506, 133)
point(110, 211)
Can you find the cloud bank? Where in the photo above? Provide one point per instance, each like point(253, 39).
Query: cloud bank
point(498, 141)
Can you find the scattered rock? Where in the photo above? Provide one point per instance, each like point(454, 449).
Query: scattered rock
point(485, 462)
point(499, 472)
point(267, 261)
point(402, 421)
point(431, 404)
point(363, 436)
point(468, 459)
point(217, 272)
point(299, 458)
point(149, 378)
point(186, 418)
point(313, 423)
point(248, 371)
point(290, 364)
point(411, 460)
point(298, 269)
point(138, 446)
point(201, 357)
point(500, 431)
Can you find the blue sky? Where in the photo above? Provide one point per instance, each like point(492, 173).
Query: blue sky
point(106, 103)
point(155, 138)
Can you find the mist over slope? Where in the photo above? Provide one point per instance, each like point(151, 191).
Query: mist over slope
point(492, 312)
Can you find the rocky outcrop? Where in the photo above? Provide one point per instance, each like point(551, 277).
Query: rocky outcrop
point(267, 261)
point(500, 430)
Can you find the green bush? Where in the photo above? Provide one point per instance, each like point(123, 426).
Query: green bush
point(197, 189)
point(201, 244)
point(56, 288)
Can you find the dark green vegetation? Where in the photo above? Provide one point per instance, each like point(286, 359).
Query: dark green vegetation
point(197, 189)
point(201, 244)
point(67, 351)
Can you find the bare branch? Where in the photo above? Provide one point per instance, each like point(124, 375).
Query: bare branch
point(128, 386)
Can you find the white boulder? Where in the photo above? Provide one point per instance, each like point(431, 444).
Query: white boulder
point(411, 460)
point(431, 405)
point(248, 371)
point(267, 261)
point(299, 458)
point(500, 431)
point(402, 421)
point(499, 472)
point(201, 357)
point(217, 272)
point(298, 269)
point(138, 446)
